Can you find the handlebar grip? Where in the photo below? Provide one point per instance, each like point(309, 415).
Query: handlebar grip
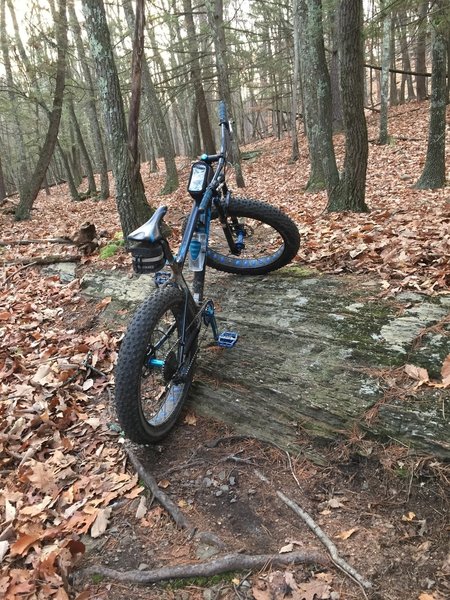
point(223, 118)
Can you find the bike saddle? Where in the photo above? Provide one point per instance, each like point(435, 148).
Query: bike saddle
point(150, 231)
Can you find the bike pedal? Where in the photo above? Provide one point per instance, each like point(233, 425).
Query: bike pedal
point(162, 277)
point(227, 339)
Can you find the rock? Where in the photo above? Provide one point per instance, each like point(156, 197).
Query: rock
point(305, 360)
point(205, 551)
point(143, 566)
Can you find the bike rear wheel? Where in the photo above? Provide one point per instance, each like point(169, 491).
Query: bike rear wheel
point(270, 237)
point(152, 382)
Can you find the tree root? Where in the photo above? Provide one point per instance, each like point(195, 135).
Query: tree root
point(337, 560)
point(180, 519)
point(230, 562)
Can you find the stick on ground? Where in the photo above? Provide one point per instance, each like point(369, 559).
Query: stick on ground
point(337, 560)
point(230, 562)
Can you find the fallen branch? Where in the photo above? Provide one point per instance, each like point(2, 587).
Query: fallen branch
point(42, 260)
point(176, 514)
point(230, 562)
point(59, 240)
point(337, 560)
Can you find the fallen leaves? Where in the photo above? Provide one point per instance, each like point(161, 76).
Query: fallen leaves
point(279, 585)
point(60, 471)
point(420, 375)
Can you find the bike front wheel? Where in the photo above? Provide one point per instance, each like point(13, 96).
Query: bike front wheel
point(270, 238)
point(155, 365)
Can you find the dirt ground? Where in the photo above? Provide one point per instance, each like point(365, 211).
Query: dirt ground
point(387, 513)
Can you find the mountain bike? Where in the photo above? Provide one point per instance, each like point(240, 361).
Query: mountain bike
point(158, 353)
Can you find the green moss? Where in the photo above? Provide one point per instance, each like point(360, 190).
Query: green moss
point(113, 247)
point(206, 582)
point(97, 578)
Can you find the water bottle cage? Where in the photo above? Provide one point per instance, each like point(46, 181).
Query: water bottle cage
point(147, 257)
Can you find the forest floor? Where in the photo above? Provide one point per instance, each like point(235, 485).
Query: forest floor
point(69, 495)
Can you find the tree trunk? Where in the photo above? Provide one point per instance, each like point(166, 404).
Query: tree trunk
point(352, 186)
point(336, 103)
point(21, 177)
point(316, 181)
point(130, 197)
point(164, 141)
point(214, 9)
point(83, 150)
point(2, 182)
point(24, 207)
point(295, 151)
point(68, 171)
point(393, 95)
point(314, 68)
point(433, 174)
point(200, 98)
point(385, 65)
point(421, 47)
point(90, 105)
point(406, 62)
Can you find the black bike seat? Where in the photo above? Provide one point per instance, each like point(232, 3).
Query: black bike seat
point(150, 231)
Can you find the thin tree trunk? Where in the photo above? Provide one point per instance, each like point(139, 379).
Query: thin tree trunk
point(2, 182)
point(433, 174)
point(406, 62)
point(83, 150)
point(22, 176)
point(23, 210)
point(90, 105)
point(164, 141)
point(200, 98)
point(421, 67)
point(385, 65)
point(214, 9)
point(336, 103)
point(68, 171)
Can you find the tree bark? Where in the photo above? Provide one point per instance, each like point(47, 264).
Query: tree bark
point(214, 9)
point(433, 174)
point(25, 205)
point(315, 69)
point(353, 182)
point(130, 197)
point(421, 67)
point(92, 191)
point(385, 65)
point(163, 139)
point(316, 179)
point(2, 182)
point(21, 177)
point(200, 98)
point(90, 104)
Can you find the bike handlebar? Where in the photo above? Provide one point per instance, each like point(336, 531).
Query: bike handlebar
point(223, 118)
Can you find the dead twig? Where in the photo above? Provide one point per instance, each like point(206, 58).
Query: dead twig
point(317, 530)
point(230, 562)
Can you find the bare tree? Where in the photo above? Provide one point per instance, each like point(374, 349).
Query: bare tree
point(25, 205)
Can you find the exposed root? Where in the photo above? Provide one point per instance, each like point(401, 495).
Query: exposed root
point(230, 562)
